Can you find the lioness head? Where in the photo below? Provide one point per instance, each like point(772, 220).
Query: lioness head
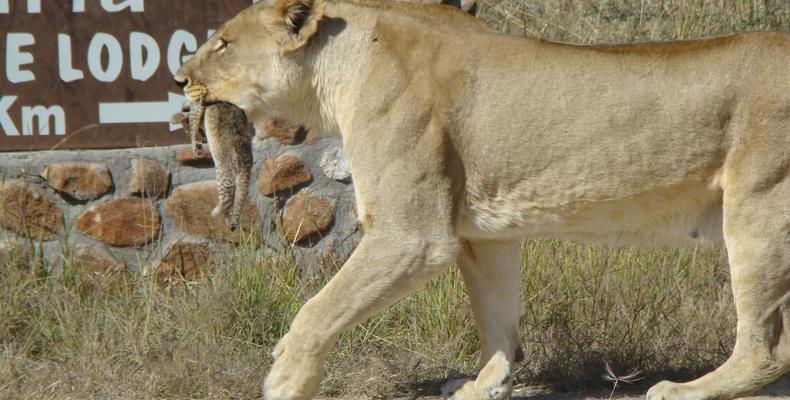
point(251, 60)
point(254, 59)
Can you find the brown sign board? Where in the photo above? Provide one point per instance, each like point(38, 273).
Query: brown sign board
point(86, 74)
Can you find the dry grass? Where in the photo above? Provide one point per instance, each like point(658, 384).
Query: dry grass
point(660, 312)
point(590, 21)
point(635, 309)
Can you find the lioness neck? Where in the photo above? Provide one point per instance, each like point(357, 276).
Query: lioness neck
point(321, 102)
point(338, 70)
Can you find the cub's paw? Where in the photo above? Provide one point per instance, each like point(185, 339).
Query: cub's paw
point(233, 221)
point(180, 118)
point(197, 149)
point(216, 211)
point(666, 390)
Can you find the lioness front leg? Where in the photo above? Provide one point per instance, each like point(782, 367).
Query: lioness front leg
point(385, 267)
point(491, 274)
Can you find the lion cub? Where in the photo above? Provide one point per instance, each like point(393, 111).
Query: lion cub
point(225, 127)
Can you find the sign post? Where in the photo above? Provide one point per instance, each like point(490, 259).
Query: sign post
point(78, 74)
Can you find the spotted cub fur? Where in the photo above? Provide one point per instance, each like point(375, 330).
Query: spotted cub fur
point(225, 128)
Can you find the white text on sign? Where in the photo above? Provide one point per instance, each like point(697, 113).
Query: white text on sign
point(34, 6)
point(104, 56)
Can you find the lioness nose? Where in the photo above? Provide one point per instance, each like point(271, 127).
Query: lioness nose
point(182, 82)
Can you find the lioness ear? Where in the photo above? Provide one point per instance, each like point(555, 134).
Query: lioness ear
point(294, 22)
point(466, 5)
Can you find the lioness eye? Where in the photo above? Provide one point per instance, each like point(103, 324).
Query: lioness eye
point(221, 45)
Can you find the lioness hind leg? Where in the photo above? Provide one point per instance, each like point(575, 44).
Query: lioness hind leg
point(491, 272)
point(383, 269)
point(757, 236)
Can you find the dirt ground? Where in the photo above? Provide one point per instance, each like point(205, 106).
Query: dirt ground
point(777, 390)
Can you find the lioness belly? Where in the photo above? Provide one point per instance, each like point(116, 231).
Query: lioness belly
point(661, 186)
point(676, 216)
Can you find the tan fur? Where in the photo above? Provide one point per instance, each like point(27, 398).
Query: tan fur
point(456, 134)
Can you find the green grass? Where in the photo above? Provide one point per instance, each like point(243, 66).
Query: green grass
point(658, 312)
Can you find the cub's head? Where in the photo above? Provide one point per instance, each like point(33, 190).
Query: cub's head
point(250, 61)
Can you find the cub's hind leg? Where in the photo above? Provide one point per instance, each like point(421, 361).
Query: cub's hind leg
point(491, 273)
point(239, 196)
point(224, 192)
point(756, 210)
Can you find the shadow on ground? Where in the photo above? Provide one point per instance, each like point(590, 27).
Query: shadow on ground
point(429, 389)
point(777, 390)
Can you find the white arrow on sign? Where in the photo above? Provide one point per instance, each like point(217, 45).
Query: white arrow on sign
point(141, 112)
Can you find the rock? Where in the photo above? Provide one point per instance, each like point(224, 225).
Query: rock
point(335, 164)
point(80, 181)
point(304, 215)
point(28, 212)
point(284, 132)
point(120, 222)
point(147, 178)
point(327, 257)
point(186, 156)
point(190, 208)
point(183, 261)
point(336, 248)
point(281, 131)
point(97, 272)
point(283, 172)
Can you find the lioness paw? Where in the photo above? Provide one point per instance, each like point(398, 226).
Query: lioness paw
point(458, 389)
point(464, 389)
point(292, 377)
point(666, 390)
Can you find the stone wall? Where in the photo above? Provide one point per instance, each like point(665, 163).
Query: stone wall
point(151, 206)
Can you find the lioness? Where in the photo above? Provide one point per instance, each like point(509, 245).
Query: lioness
point(463, 141)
